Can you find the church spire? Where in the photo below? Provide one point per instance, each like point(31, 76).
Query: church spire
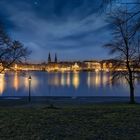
point(49, 58)
point(55, 60)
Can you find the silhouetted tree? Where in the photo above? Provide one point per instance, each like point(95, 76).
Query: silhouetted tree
point(125, 48)
point(134, 10)
point(10, 51)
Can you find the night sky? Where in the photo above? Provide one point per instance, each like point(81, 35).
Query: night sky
point(74, 29)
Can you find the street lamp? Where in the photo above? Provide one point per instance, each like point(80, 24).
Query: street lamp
point(29, 79)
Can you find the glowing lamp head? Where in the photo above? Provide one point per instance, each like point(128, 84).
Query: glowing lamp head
point(30, 78)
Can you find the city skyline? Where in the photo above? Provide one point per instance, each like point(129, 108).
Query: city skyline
point(75, 30)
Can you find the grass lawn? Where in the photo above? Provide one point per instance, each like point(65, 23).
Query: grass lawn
point(85, 122)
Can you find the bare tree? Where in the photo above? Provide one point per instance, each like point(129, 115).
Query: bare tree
point(125, 48)
point(10, 51)
point(133, 10)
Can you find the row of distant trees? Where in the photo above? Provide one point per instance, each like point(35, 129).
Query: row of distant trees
point(11, 51)
point(125, 45)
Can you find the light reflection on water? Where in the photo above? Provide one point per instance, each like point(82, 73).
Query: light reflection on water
point(16, 82)
point(97, 79)
point(62, 84)
point(2, 83)
point(64, 79)
point(68, 79)
point(93, 80)
point(76, 79)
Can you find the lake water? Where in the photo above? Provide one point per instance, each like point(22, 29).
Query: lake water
point(63, 84)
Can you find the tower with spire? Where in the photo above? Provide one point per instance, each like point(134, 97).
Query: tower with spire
point(55, 60)
point(49, 58)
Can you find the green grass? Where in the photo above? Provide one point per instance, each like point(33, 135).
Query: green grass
point(86, 122)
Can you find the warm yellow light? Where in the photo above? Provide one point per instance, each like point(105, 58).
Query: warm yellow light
point(63, 79)
point(89, 79)
point(15, 66)
point(96, 70)
point(29, 78)
point(16, 81)
point(76, 80)
point(68, 79)
point(55, 81)
point(2, 83)
point(97, 79)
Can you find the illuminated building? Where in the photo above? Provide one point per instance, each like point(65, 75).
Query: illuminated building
point(75, 67)
point(66, 66)
point(93, 65)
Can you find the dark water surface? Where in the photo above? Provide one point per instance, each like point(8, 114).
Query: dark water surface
point(63, 84)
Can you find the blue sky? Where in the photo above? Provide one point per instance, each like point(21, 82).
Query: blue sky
point(74, 29)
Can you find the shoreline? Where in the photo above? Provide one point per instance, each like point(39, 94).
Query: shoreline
point(11, 101)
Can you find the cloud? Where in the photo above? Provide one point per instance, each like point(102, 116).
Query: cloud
point(65, 27)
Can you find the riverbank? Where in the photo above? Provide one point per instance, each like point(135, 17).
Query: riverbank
point(60, 101)
point(94, 121)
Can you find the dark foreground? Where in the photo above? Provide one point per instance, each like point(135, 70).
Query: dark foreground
point(76, 122)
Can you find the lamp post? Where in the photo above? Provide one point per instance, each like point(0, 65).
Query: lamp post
point(29, 79)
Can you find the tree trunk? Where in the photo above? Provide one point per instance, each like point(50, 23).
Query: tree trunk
point(132, 96)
